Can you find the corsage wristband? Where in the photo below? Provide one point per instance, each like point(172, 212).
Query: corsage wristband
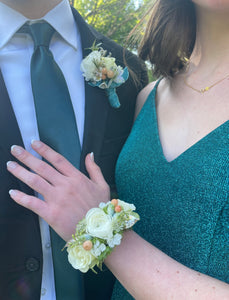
point(98, 233)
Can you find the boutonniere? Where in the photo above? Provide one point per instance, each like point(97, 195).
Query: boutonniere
point(100, 70)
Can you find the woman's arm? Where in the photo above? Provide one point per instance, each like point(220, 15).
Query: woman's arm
point(145, 271)
point(148, 273)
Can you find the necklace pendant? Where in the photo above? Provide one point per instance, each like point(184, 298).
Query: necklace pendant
point(204, 89)
point(207, 88)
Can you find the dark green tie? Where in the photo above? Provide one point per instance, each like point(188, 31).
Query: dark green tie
point(57, 128)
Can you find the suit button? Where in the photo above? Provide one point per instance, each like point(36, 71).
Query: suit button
point(32, 264)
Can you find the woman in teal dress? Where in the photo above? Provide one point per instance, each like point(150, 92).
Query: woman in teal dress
point(174, 166)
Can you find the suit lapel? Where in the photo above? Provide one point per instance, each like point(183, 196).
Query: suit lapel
point(96, 102)
point(9, 130)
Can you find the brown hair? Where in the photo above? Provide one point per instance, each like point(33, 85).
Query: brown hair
point(169, 37)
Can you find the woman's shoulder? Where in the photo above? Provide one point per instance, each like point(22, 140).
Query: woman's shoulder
point(142, 97)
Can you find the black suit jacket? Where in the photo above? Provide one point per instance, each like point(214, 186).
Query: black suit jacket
point(105, 132)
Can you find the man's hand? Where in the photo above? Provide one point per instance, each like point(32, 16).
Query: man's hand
point(68, 193)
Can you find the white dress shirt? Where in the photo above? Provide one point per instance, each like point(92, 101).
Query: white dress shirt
point(15, 54)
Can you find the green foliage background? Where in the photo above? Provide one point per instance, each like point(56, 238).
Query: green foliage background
point(113, 18)
point(116, 19)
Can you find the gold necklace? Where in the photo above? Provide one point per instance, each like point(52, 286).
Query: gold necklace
point(207, 88)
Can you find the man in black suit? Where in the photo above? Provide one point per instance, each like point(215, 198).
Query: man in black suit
point(26, 272)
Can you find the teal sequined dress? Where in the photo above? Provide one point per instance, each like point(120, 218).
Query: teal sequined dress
point(183, 204)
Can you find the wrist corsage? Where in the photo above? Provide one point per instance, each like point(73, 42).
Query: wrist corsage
point(98, 233)
point(100, 70)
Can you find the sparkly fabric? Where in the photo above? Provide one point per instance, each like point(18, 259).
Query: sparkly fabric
point(183, 204)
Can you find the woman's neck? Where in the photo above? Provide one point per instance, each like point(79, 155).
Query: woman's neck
point(32, 9)
point(212, 42)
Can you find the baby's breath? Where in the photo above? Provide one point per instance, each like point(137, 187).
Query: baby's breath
point(91, 244)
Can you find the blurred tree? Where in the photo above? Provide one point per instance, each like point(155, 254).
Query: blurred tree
point(116, 19)
point(113, 18)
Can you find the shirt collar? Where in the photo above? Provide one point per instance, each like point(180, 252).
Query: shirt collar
point(60, 17)
point(10, 22)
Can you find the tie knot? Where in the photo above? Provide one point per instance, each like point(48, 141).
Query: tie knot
point(41, 33)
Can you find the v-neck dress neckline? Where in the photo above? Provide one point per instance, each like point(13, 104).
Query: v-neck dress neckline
point(193, 147)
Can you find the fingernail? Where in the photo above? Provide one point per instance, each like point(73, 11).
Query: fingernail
point(11, 164)
point(36, 144)
point(16, 150)
point(12, 193)
point(92, 156)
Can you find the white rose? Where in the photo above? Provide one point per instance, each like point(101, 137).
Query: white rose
point(109, 63)
point(126, 206)
point(80, 259)
point(88, 66)
point(99, 223)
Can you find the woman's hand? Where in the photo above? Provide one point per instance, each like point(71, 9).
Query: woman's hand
point(68, 193)
point(145, 271)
